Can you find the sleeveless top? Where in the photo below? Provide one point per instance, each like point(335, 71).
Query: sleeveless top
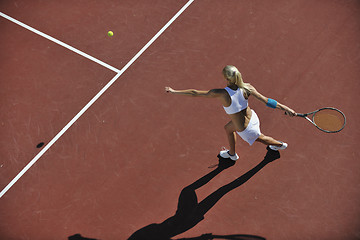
point(238, 101)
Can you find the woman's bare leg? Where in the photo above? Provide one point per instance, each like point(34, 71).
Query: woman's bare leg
point(231, 135)
point(268, 140)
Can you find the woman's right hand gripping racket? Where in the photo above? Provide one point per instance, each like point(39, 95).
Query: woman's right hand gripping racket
point(328, 119)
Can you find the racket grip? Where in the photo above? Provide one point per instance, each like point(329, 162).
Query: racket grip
point(297, 114)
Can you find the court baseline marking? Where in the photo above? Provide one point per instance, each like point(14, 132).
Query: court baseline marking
point(97, 96)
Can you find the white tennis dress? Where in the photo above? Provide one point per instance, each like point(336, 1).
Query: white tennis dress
point(239, 103)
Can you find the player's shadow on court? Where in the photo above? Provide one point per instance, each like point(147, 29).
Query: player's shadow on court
point(209, 236)
point(190, 212)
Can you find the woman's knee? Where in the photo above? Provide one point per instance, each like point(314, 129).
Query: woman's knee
point(229, 128)
point(261, 138)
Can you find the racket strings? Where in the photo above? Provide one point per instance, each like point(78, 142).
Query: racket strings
point(329, 120)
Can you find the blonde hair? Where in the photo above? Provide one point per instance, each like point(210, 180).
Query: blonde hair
point(232, 73)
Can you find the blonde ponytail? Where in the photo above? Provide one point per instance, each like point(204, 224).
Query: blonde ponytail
point(232, 73)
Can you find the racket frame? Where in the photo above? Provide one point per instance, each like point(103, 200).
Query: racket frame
point(305, 115)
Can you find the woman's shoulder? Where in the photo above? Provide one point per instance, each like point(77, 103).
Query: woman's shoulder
point(248, 85)
point(247, 89)
point(218, 90)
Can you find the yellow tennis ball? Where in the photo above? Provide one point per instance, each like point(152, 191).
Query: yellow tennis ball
point(110, 33)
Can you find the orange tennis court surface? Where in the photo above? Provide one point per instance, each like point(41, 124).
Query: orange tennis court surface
point(123, 163)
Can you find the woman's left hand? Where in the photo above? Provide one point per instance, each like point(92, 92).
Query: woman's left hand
point(169, 89)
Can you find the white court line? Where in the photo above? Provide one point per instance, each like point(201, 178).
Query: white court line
point(93, 100)
point(59, 42)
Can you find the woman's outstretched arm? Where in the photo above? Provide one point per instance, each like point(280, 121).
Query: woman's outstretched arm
point(213, 93)
point(270, 102)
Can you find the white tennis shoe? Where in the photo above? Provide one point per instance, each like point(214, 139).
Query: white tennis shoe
point(225, 154)
point(276, 148)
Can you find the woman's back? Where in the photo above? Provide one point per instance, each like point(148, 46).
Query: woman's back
point(238, 108)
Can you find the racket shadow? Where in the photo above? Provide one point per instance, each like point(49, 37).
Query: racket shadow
point(79, 237)
point(190, 212)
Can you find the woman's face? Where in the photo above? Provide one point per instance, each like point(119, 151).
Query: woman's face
point(229, 83)
point(228, 80)
point(225, 76)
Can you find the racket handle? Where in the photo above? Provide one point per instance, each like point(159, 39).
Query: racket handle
point(297, 114)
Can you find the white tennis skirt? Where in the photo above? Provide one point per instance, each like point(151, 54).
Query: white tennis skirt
point(252, 131)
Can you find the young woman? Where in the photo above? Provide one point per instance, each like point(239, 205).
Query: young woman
point(244, 121)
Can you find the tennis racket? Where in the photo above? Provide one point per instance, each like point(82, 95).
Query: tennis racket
point(328, 119)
